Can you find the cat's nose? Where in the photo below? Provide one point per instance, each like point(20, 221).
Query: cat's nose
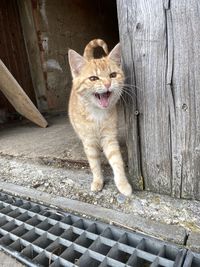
point(107, 85)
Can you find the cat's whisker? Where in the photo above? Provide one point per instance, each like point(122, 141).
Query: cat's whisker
point(129, 88)
point(123, 99)
point(126, 100)
point(132, 86)
point(128, 96)
point(131, 94)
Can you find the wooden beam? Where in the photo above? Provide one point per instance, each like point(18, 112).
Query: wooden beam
point(142, 27)
point(130, 95)
point(33, 52)
point(18, 98)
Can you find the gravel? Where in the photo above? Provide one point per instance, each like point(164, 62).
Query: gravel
point(73, 181)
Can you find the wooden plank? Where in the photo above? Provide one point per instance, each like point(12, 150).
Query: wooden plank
point(18, 98)
point(33, 52)
point(186, 94)
point(130, 94)
point(146, 31)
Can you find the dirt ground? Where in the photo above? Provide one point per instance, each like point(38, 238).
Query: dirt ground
point(52, 160)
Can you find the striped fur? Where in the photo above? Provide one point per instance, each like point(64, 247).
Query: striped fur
point(89, 49)
point(94, 122)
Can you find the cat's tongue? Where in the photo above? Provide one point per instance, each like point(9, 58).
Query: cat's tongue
point(104, 102)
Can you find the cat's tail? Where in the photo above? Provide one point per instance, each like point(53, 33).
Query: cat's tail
point(89, 49)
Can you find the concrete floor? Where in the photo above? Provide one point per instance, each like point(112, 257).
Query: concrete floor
point(57, 141)
point(52, 161)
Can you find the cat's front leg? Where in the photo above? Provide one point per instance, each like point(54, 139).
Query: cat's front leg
point(112, 151)
point(93, 152)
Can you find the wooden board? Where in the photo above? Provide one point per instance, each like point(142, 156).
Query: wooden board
point(186, 97)
point(130, 95)
point(147, 51)
point(161, 51)
point(18, 98)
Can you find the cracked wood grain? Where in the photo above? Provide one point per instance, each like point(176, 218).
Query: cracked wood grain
point(161, 55)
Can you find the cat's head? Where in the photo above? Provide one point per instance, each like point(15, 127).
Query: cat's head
point(99, 82)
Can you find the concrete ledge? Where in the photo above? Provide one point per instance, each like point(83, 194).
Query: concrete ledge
point(172, 233)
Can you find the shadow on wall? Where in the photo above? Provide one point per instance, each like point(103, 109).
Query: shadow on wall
point(70, 24)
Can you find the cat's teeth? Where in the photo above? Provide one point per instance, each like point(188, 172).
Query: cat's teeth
point(103, 95)
point(97, 95)
point(103, 98)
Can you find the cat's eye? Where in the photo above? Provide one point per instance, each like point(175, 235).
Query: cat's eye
point(113, 74)
point(93, 78)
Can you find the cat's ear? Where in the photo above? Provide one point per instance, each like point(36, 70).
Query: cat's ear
point(76, 62)
point(115, 54)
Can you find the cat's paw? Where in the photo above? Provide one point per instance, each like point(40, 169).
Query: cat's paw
point(96, 186)
point(125, 188)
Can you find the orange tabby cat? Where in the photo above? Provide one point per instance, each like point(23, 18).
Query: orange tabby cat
point(97, 86)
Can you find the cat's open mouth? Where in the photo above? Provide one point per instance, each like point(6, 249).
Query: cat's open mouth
point(103, 98)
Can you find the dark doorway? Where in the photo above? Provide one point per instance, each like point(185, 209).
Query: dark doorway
point(13, 54)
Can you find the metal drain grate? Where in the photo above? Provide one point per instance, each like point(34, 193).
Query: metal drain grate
point(192, 260)
point(38, 236)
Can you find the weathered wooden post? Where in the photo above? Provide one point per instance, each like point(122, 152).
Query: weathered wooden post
point(161, 58)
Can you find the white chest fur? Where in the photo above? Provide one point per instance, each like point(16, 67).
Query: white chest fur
point(98, 114)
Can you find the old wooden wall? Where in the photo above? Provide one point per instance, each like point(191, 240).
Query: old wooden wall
point(161, 58)
point(12, 51)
